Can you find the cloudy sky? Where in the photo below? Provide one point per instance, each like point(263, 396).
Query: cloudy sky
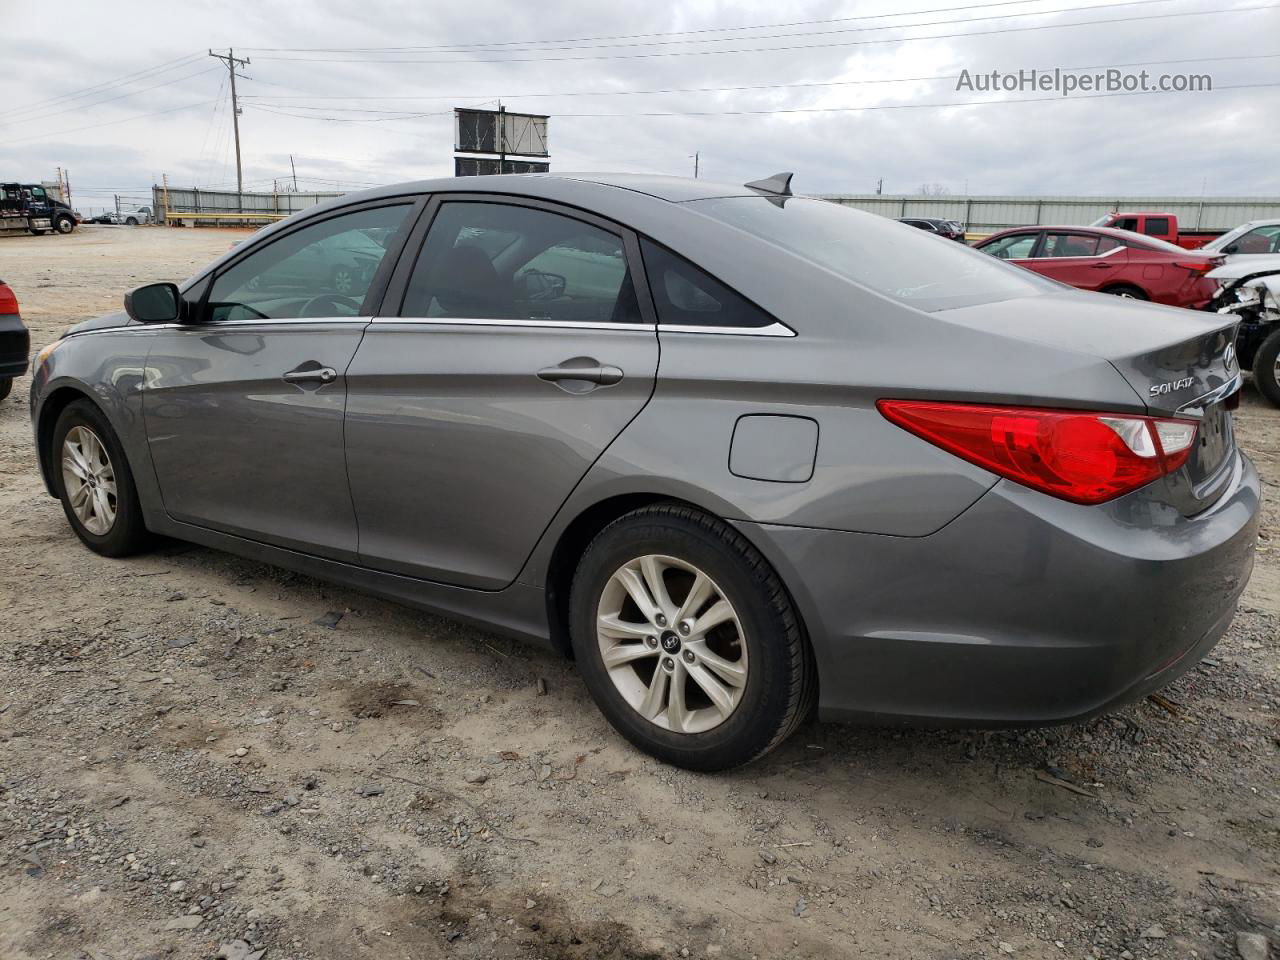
point(844, 92)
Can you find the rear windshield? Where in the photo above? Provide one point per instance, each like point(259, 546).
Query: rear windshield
point(909, 265)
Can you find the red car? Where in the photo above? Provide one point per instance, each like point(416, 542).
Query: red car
point(1110, 261)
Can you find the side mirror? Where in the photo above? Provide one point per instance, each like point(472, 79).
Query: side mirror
point(154, 303)
point(1232, 248)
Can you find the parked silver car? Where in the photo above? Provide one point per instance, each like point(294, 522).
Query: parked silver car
point(739, 453)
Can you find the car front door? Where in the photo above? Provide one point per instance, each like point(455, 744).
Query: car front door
point(244, 404)
point(511, 352)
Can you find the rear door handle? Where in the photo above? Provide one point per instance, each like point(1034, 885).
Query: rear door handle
point(582, 368)
point(310, 375)
point(1103, 266)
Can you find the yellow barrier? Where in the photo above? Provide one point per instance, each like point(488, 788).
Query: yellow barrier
point(210, 215)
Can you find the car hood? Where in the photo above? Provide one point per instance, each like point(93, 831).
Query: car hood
point(1244, 265)
point(117, 319)
point(1168, 355)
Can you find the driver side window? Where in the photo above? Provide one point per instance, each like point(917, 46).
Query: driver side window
point(323, 270)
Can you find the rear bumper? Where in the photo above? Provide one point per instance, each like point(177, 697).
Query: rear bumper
point(1024, 610)
point(15, 346)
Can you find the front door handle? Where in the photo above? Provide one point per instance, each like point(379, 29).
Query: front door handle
point(584, 369)
point(310, 374)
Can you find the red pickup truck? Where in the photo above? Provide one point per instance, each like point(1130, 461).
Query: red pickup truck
point(1162, 225)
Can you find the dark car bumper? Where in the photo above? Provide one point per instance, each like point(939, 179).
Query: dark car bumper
point(15, 346)
point(1023, 610)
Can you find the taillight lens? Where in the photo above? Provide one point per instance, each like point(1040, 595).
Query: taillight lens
point(1078, 456)
point(1198, 267)
point(8, 302)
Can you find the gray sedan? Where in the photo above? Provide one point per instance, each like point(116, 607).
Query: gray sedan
point(745, 456)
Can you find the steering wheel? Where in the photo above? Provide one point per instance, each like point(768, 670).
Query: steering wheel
point(312, 308)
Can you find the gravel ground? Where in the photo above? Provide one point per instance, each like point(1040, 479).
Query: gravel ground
point(202, 756)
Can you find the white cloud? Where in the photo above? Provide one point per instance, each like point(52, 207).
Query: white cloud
point(1222, 142)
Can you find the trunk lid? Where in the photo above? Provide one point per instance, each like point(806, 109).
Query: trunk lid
point(1180, 363)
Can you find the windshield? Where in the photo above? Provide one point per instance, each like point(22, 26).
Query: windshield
point(911, 266)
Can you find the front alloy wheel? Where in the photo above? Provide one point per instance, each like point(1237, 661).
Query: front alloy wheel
point(672, 643)
point(92, 478)
point(89, 480)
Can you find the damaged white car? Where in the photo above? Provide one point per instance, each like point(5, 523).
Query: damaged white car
point(1250, 288)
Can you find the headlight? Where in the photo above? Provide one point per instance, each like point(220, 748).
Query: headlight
point(43, 355)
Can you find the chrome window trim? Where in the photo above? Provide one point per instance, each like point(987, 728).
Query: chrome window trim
point(510, 322)
point(1196, 408)
point(774, 329)
point(212, 325)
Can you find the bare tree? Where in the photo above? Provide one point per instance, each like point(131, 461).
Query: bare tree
point(933, 190)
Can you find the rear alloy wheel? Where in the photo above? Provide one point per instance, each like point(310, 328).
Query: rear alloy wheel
point(1266, 368)
point(94, 483)
point(1128, 293)
point(688, 641)
point(686, 673)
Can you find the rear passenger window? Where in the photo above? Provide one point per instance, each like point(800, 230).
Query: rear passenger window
point(688, 296)
point(1157, 227)
point(1069, 245)
point(498, 261)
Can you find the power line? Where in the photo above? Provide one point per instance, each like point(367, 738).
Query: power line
point(730, 89)
point(642, 36)
point(109, 123)
point(98, 103)
point(97, 87)
point(816, 46)
point(798, 110)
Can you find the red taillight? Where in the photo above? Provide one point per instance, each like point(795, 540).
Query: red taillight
point(1078, 456)
point(1198, 267)
point(8, 302)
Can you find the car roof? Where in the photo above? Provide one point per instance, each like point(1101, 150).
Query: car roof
point(672, 189)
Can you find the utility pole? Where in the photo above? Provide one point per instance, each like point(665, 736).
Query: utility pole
point(696, 154)
point(231, 61)
point(880, 186)
point(295, 173)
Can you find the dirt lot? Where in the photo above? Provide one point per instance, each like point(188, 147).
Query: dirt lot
point(196, 761)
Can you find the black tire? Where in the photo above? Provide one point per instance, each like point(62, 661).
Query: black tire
point(64, 224)
point(781, 686)
point(1124, 290)
point(6, 385)
point(132, 222)
point(128, 534)
point(1265, 372)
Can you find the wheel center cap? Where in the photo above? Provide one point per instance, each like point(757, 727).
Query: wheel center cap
point(670, 642)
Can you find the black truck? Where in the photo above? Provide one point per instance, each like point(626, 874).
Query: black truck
point(28, 207)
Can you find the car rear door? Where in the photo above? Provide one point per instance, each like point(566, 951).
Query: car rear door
point(511, 351)
point(244, 405)
point(1085, 260)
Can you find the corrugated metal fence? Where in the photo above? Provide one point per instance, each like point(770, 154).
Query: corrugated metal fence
point(988, 214)
point(227, 206)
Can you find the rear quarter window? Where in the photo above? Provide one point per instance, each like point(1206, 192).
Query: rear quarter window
point(908, 266)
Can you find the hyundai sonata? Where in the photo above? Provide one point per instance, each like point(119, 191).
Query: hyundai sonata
point(743, 455)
